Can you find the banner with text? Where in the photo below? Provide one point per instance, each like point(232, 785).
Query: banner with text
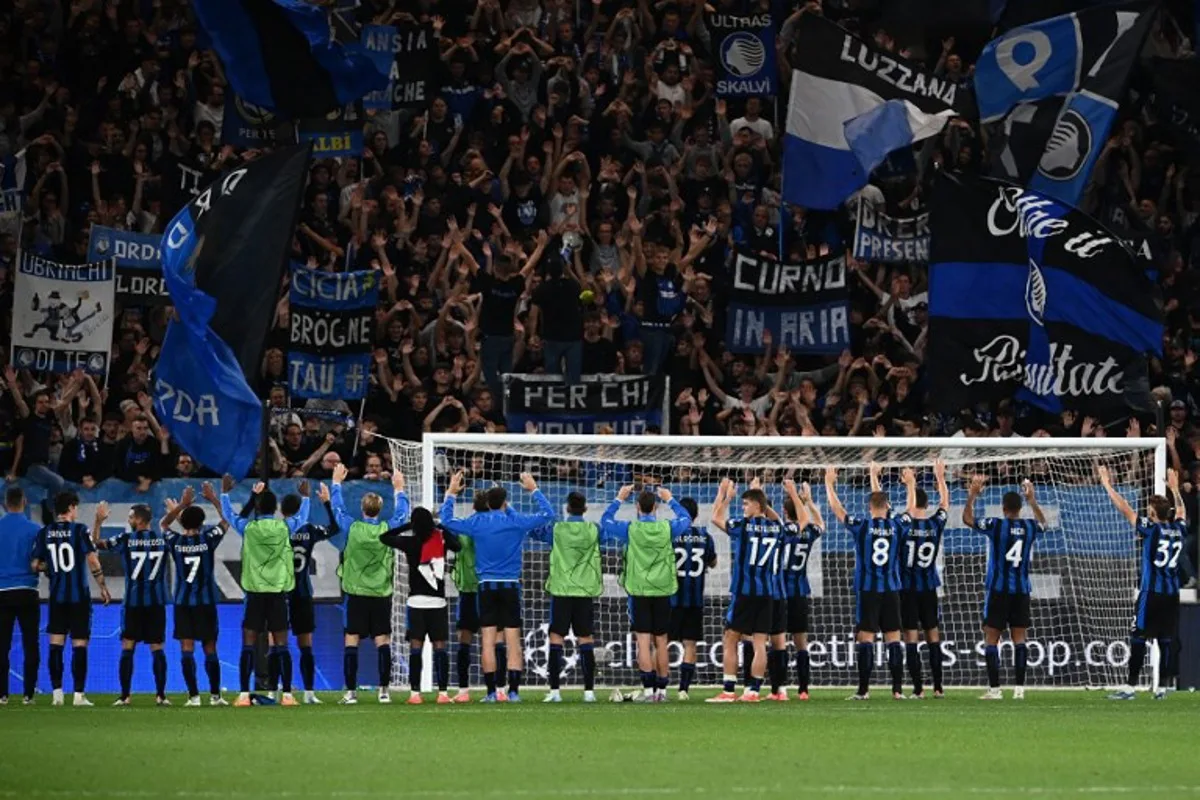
point(600, 403)
point(880, 237)
point(62, 315)
point(332, 315)
point(338, 135)
point(408, 53)
point(139, 263)
point(805, 306)
point(745, 45)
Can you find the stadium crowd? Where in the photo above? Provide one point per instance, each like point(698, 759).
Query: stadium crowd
point(567, 203)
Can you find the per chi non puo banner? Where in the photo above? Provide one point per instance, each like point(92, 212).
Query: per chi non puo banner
point(805, 305)
point(598, 404)
point(745, 45)
point(139, 263)
point(408, 53)
point(63, 315)
point(332, 315)
point(880, 237)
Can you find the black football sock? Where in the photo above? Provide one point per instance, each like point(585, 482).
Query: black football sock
point(1169, 654)
point(935, 664)
point(5, 646)
point(124, 672)
point(587, 654)
point(308, 668)
point(489, 681)
point(441, 668)
point(912, 654)
point(1020, 660)
point(803, 670)
point(747, 661)
point(514, 681)
point(648, 680)
point(212, 666)
point(350, 668)
point(687, 674)
point(416, 665)
point(555, 665)
point(865, 653)
point(501, 657)
point(1137, 657)
point(187, 663)
point(778, 675)
point(79, 665)
point(285, 668)
point(159, 667)
point(895, 657)
point(273, 669)
point(991, 655)
point(55, 666)
point(245, 668)
point(661, 682)
point(463, 664)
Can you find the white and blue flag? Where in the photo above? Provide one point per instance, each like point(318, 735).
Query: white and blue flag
point(851, 104)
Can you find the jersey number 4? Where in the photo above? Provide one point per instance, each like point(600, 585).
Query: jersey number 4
point(1016, 552)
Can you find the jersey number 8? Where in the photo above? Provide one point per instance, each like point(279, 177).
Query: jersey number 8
point(880, 551)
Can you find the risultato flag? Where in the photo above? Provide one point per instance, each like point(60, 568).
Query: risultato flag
point(62, 315)
point(332, 315)
point(852, 103)
point(1029, 297)
point(280, 55)
point(223, 258)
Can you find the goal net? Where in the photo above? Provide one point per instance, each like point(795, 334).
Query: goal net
point(1084, 572)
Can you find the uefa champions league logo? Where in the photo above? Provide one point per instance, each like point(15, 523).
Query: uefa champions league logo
point(537, 652)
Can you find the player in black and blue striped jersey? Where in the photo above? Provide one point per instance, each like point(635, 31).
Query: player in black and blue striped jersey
point(301, 615)
point(695, 555)
point(1010, 553)
point(194, 556)
point(876, 581)
point(920, 543)
point(1160, 536)
point(65, 551)
point(803, 526)
point(144, 557)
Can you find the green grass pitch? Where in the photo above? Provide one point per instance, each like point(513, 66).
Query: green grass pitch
point(1053, 744)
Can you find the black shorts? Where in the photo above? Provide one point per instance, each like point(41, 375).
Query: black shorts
point(468, 612)
point(572, 613)
point(878, 612)
point(431, 622)
point(367, 616)
point(650, 615)
point(144, 624)
point(919, 610)
point(797, 611)
point(687, 624)
point(198, 623)
point(265, 611)
point(22, 607)
point(779, 617)
point(500, 606)
point(1157, 616)
point(750, 615)
point(1003, 610)
point(70, 619)
point(301, 617)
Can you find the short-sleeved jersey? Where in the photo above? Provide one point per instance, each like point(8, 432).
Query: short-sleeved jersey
point(144, 556)
point(754, 545)
point(876, 553)
point(797, 549)
point(195, 560)
point(1010, 552)
point(694, 551)
point(1160, 544)
point(64, 548)
point(304, 539)
point(920, 543)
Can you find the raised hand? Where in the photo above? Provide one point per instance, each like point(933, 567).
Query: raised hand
point(189, 494)
point(101, 512)
point(323, 493)
point(528, 483)
point(939, 469)
point(831, 474)
point(977, 482)
point(304, 489)
point(339, 473)
point(1102, 474)
point(1173, 480)
point(226, 484)
point(456, 482)
point(624, 492)
point(208, 493)
point(398, 481)
point(908, 476)
point(664, 494)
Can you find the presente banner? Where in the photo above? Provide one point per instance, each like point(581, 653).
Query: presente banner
point(408, 53)
point(139, 263)
point(745, 46)
point(11, 203)
point(805, 306)
point(332, 316)
point(880, 237)
point(600, 403)
point(63, 315)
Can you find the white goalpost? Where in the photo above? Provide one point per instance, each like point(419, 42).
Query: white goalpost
point(1084, 572)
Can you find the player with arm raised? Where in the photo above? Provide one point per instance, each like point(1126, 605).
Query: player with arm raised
point(1010, 552)
point(695, 555)
point(876, 581)
point(803, 527)
point(1160, 536)
point(304, 537)
point(144, 615)
point(649, 579)
point(920, 541)
point(755, 585)
point(65, 551)
point(368, 577)
point(499, 535)
point(194, 553)
point(295, 510)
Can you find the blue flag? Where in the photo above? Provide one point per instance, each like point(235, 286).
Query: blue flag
point(280, 55)
point(332, 316)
